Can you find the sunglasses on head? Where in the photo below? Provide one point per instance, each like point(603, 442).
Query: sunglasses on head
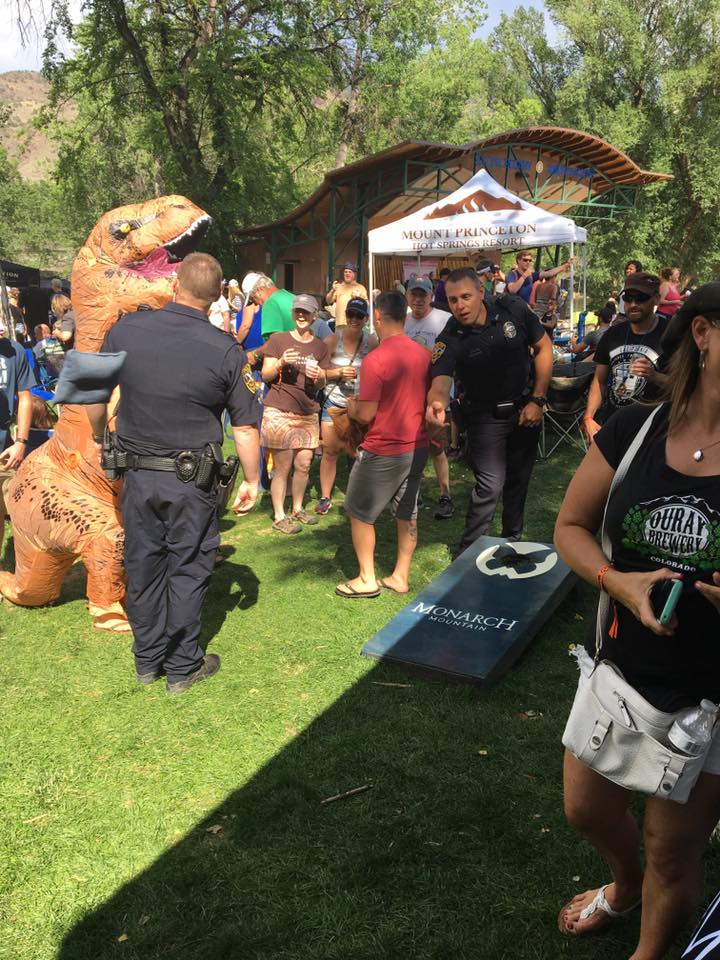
point(636, 296)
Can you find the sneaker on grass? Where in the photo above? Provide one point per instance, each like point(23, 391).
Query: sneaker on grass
point(444, 509)
point(302, 516)
point(286, 525)
point(323, 505)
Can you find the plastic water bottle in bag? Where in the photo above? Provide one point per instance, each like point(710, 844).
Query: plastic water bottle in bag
point(691, 733)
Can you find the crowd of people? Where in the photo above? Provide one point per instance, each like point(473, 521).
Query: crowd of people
point(43, 321)
point(464, 362)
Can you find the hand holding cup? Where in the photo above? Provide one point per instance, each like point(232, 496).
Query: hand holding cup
point(312, 368)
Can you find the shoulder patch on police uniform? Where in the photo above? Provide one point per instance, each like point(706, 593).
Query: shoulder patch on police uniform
point(248, 378)
point(438, 350)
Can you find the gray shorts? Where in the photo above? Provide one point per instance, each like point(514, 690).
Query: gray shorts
point(376, 481)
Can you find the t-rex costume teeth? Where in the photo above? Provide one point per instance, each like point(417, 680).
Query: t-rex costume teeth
point(61, 504)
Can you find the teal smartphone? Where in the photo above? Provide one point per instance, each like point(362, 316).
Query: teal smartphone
point(669, 591)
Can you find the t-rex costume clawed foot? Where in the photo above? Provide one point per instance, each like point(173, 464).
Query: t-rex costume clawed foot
point(61, 504)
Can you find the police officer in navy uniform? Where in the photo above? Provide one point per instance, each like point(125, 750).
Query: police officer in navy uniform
point(179, 375)
point(490, 345)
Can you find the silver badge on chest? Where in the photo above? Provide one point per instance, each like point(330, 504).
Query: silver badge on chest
point(510, 330)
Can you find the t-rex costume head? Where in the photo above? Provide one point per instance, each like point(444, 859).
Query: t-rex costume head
point(129, 260)
point(61, 503)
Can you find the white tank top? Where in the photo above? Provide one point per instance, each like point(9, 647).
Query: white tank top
point(340, 390)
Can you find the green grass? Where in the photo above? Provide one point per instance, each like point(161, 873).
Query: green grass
point(191, 827)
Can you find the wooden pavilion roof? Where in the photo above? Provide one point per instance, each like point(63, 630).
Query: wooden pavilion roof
point(611, 163)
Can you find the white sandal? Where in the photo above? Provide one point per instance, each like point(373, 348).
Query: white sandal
point(598, 903)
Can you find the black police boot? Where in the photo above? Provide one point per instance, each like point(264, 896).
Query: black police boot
point(151, 677)
point(210, 666)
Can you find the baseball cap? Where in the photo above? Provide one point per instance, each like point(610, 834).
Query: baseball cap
point(234, 283)
point(88, 377)
point(420, 283)
point(485, 266)
point(357, 305)
point(706, 299)
point(249, 282)
point(643, 282)
point(350, 266)
point(305, 302)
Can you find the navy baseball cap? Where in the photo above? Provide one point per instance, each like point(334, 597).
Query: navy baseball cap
point(357, 305)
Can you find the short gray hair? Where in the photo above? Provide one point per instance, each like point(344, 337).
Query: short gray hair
point(263, 282)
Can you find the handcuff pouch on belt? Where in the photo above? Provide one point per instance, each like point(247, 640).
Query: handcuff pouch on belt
point(463, 411)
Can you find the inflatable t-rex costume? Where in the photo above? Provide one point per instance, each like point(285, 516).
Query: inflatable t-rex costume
point(61, 504)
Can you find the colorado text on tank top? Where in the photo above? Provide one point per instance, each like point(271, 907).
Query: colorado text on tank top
point(341, 358)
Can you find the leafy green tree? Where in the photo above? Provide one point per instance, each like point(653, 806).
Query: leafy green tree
point(191, 96)
point(644, 75)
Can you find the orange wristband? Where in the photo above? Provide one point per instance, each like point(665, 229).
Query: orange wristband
point(600, 575)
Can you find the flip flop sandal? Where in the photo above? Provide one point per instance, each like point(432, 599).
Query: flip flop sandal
point(386, 586)
point(350, 593)
point(598, 903)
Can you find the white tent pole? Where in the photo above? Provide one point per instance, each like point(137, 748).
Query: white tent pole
point(571, 292)
point(371, 258)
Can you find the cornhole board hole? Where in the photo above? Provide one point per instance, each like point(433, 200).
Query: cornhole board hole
point(476, 618)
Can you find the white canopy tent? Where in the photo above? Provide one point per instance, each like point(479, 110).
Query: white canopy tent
point(480, 215)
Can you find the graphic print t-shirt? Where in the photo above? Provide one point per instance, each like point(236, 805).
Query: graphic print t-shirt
point(617, 349)
point(426, 331)
point(293, 392)
point(661, 518)
point(15, 376)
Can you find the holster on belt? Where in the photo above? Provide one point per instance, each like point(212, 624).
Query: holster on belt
point(113, 460)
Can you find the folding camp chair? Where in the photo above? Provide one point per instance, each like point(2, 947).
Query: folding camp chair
point(562, 423)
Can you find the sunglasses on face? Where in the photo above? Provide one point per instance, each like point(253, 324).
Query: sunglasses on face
point(635, 296)
point(355, 316)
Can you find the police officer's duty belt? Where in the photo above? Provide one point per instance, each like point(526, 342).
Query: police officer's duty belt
point(206, 468)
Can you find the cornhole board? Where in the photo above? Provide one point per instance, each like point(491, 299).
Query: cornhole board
point(476, 618)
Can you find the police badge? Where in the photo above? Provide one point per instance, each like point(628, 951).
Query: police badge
point(509, 329)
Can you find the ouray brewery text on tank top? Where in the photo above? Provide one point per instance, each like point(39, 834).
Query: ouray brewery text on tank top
point(680, 532)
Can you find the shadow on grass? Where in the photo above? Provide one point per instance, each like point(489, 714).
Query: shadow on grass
point(444, 858)
point(458, 850)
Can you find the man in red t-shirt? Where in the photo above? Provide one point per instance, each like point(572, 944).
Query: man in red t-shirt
point(393, 381)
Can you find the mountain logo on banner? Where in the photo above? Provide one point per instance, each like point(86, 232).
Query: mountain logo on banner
point(516, 561)
point(474, 203)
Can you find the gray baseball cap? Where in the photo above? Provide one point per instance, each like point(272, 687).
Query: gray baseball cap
point(305, 302)
point(420, 283)
point(88, 377)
